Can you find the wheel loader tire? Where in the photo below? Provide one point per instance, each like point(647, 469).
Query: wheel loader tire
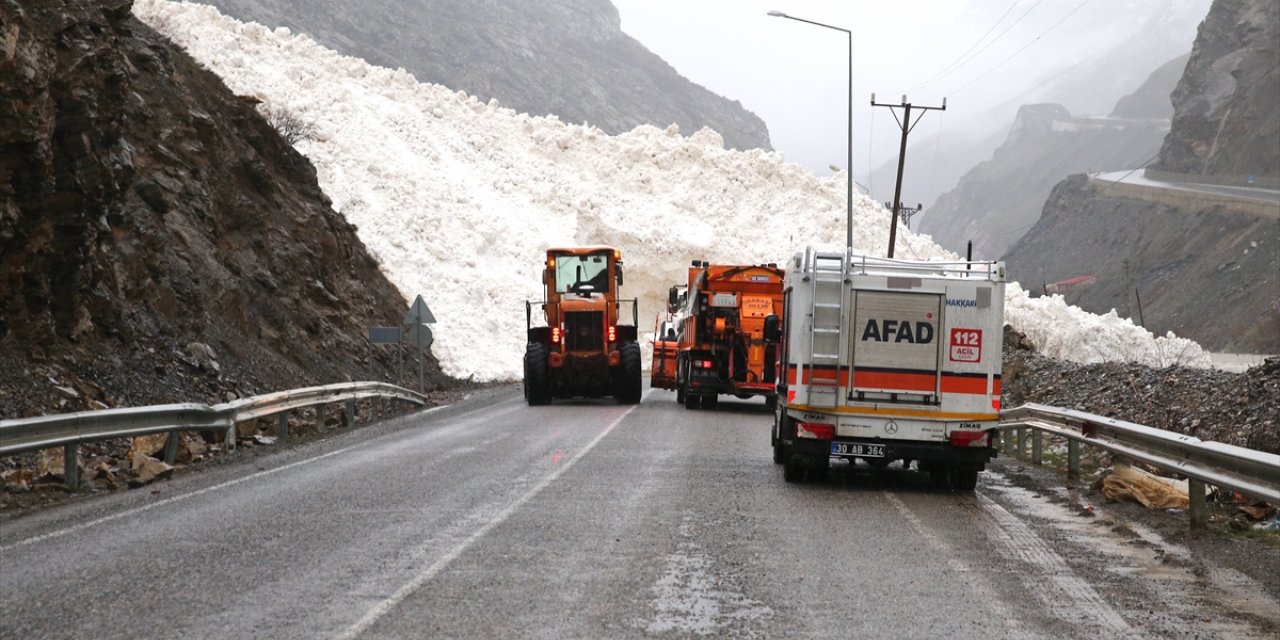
point(629, 384)
point(537, 378)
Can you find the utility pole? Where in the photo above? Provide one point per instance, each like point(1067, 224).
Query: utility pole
point(906, 125)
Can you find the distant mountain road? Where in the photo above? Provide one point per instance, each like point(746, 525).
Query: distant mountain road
point(1269, 198)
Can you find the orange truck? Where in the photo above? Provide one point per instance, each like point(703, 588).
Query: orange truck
point(719, 334)
point(662, 374)
point(582, 349)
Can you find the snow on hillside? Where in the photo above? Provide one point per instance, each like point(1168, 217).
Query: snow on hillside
point(459, 199)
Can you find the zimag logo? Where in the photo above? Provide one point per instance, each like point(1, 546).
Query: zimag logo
point(898, 331)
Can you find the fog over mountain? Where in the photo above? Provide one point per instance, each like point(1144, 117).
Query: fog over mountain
point(1091, 86)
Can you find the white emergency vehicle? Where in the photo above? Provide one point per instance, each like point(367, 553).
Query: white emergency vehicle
point(888, 360)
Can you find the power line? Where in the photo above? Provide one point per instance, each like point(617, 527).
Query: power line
point(1024, 48)
point(971, 47)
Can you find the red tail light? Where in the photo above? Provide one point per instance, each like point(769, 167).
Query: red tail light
point(969, 438)
point(704, 364)
point(555, 335)
point(613, 334)
point(815, 430)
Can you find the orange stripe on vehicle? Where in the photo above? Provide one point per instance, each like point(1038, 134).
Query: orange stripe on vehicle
point(964, 384)
point(895, 380)
point(922, 382)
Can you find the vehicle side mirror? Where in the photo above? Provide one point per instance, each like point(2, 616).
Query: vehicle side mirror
point(673, 298)
point(772, 330)
point(617, 268)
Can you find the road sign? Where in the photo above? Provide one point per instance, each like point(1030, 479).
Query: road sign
point(384, 335)
point(420, 336)
point(419, 313)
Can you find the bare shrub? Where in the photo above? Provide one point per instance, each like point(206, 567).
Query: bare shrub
point(290, 125)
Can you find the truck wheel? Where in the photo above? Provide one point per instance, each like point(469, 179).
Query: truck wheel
point(793, 471)
point(771, 402)
point(680, 394)
point(692, 401)
point(628, 391)
point(537, 382)
point(778, 452)
point(964, 479)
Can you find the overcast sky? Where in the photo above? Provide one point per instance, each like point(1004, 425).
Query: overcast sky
point(793, 75)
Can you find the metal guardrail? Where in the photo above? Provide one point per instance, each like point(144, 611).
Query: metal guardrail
point(69, 430)
point(1249, 472)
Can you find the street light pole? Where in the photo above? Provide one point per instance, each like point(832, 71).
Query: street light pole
point(848, 167)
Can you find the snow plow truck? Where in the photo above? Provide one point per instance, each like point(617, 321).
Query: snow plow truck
point(720, 347)
point(888, 360)
point(581, 350)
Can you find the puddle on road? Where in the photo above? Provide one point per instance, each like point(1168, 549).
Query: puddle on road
point(1136, 552)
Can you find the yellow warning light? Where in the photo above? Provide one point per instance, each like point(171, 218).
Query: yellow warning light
point(617, 255)
point(551, 262)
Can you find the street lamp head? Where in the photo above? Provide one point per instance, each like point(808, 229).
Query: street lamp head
point(778, 14)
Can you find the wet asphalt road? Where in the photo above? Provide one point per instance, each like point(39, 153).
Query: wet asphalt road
point(582, 520)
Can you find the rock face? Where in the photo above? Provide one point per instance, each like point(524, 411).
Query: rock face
point(569, 58)
point(1208, 274)
point(1227, 120)
point(996, 202)
point(144, 208)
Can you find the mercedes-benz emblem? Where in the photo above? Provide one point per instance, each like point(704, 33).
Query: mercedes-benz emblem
point(890, 427)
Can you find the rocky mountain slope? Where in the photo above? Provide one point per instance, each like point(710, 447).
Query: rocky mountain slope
point(569, 58)
point(1151, 100)
point(1207, 272)
point(1227, 121)
point(999, 200)
point(159, 240)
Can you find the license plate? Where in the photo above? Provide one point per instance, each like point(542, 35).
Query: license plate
point(857, 450)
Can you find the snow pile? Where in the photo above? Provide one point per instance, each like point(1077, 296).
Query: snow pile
point(459, 199)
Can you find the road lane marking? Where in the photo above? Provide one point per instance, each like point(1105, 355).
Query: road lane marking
point(230, 483)
point(383, 608)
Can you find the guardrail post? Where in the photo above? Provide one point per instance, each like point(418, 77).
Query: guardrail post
point(320, 418)
point(351, 413)
point(71, 465)
point(1037, 447)
point(282, 426)
point(1073, 460)
point(1018, 446)
point(230, 439)
point(1198, 513)
point(171, 447)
